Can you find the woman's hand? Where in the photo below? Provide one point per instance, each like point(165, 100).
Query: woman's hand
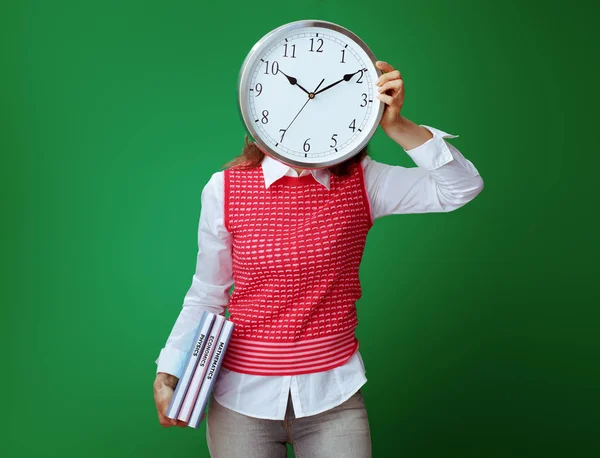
point(391, 92)
point(164, 387)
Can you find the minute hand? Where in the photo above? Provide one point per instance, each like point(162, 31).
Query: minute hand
point(347, 77)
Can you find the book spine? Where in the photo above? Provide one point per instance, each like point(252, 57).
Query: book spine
point(194, 387)
point(204, 326)
point(211, 375)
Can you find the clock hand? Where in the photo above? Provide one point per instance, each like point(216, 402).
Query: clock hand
point(286, 129)
point(307, 100)
point(347, 77)
point(315, 91)
point(293, 81)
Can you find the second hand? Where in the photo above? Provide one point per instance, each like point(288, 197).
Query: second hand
point(310, 96)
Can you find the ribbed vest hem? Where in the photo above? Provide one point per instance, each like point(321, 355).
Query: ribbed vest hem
point(268, 357)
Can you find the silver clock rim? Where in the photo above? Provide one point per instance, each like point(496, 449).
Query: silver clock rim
point(245, 74)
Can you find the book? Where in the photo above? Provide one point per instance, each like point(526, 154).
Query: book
point(199, 343)
point(211, 374)
point(191, 395)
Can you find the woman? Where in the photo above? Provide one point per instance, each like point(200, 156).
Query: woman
point(305, 258)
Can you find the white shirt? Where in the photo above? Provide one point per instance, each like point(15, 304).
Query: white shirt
point(442, 181)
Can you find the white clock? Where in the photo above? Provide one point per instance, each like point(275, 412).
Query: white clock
point(307, 94)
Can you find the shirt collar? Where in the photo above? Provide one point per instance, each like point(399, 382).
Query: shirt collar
point(273, 170)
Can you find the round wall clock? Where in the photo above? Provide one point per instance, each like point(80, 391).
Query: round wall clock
point(307, 94)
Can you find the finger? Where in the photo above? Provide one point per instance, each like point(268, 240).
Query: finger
point(384, 66)
point(387, 99)
point(393, 75)
point(162, 405)
point(165, 421)
point(168, 421)
point(394, 85)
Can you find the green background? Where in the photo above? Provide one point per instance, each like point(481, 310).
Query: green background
point(479, 327)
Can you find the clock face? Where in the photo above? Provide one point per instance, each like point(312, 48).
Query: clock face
point(307, 94)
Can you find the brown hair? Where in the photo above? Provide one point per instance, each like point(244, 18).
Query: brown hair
point(252, 156)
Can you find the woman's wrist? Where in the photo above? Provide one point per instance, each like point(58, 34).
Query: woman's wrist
point(166, 379)
point(408, 134)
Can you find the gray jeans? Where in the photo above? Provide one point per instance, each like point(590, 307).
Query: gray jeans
point(342, 431)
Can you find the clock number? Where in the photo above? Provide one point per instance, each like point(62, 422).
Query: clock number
point(258, 88)
point(293, 51)
point(282, 130)
point(265, 118)
point(274, 67)
point(306, 146)
point(353, 125)
point(359, 80)
point(334, 140)
point(343, 54)
point(312, 42)
point(364, 100)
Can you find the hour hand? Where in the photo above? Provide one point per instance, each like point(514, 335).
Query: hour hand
point(293, 81)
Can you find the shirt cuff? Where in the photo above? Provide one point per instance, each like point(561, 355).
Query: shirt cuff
point(171, 361)
point(434, 152)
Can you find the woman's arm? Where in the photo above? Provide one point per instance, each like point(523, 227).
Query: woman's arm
point(211, 282)
point(443, 180)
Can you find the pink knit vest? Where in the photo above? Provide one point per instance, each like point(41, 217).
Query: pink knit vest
point(296, 251)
